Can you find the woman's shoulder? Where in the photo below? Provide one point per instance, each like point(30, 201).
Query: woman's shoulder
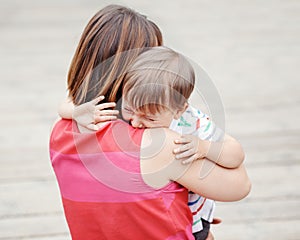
point(158, 164)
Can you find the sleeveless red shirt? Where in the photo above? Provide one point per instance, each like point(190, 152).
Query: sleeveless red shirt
point(103, 193)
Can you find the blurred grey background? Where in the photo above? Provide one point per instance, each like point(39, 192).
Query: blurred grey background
point(251, 50)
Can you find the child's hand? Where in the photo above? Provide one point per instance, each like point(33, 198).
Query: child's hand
point(89, 114)
point(189, 150)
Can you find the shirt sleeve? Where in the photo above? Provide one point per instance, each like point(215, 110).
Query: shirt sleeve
point(194, 121)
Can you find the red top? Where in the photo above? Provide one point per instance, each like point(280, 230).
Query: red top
point(103, 192)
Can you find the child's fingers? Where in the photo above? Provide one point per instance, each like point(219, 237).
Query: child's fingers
point(107, 112)
point(105, 105)
point(183, 140)
point(183, 148)
point(185, 154)
point(105, 115)
point(105, 118)
point(190, 159)
point(92, 127)
point(97, 100)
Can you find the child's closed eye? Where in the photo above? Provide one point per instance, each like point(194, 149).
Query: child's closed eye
point(150, 119)
point(127, 110)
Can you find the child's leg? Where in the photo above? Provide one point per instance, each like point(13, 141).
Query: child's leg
point(210, 236)
point(204, 233)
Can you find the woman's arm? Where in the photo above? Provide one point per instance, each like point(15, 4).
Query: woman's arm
point(214, 182)
point(204, 177)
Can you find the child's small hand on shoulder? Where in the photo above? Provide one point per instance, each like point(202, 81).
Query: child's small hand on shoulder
point(189, 149)
point(89, 114)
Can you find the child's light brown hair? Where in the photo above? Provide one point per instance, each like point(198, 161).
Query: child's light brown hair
point(159, 79)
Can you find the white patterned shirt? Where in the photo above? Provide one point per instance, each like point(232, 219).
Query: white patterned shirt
point(197, 123)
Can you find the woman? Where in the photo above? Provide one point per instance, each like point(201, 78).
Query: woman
point(123, 183)
point(112, 31)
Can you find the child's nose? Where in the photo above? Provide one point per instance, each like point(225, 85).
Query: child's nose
point(136, 123)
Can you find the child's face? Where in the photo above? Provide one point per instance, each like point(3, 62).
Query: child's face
point(145, 120)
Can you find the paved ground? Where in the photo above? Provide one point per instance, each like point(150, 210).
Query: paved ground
point(250, 48)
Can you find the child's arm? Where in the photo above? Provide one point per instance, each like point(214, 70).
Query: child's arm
point(89, 114)
point(206, 140)
point(66, 109)
point(227, 153)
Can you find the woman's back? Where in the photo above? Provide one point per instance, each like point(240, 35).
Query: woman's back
point(102, 189)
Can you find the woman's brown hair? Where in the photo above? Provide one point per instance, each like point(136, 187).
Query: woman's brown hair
point(98, 63)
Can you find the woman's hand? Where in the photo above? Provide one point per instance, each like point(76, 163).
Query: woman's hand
point(89, 114)
point(189, 150)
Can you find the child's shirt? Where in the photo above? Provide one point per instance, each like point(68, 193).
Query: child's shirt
point(197, 123)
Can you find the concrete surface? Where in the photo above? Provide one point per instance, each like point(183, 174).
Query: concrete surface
point(251, 50)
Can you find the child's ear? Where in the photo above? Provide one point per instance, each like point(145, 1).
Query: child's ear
point(181, 111)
